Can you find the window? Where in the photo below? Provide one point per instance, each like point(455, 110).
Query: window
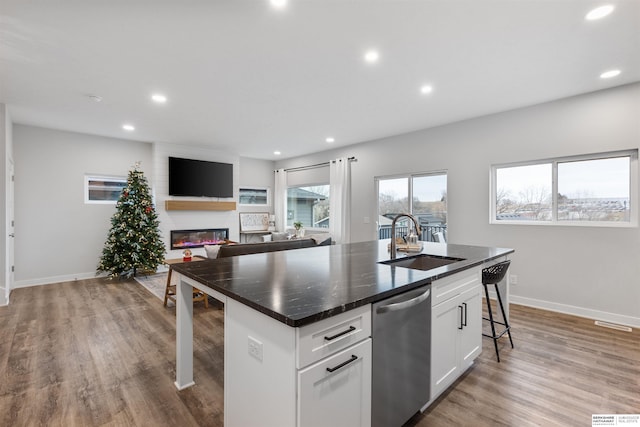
point(580, 190)
point(253, 196)
point(103, 189)
point(309, 205)
point(423, 195)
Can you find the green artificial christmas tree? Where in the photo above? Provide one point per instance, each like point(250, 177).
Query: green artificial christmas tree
point(134, 241)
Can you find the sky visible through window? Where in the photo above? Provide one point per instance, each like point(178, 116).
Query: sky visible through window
point(601, 178)
point(423, 189)
point(591, 189)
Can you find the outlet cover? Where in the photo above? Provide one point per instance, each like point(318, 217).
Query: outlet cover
point(513, 279)
point(255, 348)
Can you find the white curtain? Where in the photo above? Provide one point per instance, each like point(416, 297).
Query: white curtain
point(339, 202)
point(280, 199)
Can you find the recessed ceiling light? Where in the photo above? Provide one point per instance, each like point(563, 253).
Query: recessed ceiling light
point(609, 74)
point(371, 56)
point(426, 89)
point(159, 98)
point(278, 4)
point(128, 127)
point(277, 153)
point(599, 12)
point(330, 140)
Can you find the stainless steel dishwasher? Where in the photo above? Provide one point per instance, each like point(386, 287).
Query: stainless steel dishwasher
point(401, 357)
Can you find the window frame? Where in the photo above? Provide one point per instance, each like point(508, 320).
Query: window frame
point(97, 177)
point(633, 190)
point(267, 190)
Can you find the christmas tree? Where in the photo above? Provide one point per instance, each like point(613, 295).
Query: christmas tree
point(134, 241)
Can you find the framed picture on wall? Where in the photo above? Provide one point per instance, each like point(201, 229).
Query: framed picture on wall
point(254, 221)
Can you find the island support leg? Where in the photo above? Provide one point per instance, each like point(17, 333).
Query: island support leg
point(184, 335)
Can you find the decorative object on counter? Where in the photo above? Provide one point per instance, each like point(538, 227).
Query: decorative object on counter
point(134, 241)
point(299, 230)
point(393, 247)
point(492, 276)
point(404, 246)
point(186, 255)
point(272, 223)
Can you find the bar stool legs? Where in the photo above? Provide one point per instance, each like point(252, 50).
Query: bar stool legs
point(507, 330)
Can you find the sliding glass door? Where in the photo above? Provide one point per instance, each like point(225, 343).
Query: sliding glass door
point(422, 195)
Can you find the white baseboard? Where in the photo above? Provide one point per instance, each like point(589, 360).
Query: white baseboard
point(577, 311)
point(4, 298)
point(55, 279)
point(65, 278)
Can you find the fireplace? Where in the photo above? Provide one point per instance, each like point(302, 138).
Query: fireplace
point(189, 239)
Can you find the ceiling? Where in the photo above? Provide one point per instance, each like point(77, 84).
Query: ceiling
point(245, 77)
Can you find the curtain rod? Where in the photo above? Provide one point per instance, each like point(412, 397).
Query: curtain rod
point(317, 165)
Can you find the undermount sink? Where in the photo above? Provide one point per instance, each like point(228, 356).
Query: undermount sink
point(422, 262)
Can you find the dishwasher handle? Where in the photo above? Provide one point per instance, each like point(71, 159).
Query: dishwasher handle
point(404, 304)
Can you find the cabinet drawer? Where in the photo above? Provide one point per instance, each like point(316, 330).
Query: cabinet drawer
point(323, 338)
point(337, 390)
point(449, 287)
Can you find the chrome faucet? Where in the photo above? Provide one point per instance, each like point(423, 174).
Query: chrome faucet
point(393, 231)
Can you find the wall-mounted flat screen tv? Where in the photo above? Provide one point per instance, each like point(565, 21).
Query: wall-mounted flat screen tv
point(200, 178)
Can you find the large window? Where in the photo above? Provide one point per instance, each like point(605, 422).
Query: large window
point(581, 190)
point(308, 205)
point(423, 195)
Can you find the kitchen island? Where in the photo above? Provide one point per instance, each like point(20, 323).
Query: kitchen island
point(293, 316)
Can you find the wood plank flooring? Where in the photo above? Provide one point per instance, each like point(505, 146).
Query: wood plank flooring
point(102, 353)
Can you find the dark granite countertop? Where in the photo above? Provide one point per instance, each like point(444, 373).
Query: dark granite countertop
point(302, 286)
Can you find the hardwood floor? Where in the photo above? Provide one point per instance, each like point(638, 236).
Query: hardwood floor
point(102, 353)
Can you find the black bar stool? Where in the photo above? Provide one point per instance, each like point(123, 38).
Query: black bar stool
point(492, 276)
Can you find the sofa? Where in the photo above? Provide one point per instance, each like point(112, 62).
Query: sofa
point(224, 251)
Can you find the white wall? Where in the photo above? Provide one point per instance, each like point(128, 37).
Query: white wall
point(58, 236)
point(587, 271)
point(187, 220)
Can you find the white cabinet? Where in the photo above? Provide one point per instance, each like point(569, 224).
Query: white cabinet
point(279, 376)
point(456, 322)
point(326, 337)
point(334, 370)
point(337, 390)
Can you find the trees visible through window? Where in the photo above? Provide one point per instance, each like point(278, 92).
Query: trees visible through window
point(592, 189)
point(308, 205)
point(424, 196)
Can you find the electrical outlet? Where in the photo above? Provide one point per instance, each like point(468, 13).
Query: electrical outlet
point(513, 279)
point(255, 348)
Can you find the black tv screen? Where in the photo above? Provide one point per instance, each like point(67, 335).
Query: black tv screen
point(200, 178)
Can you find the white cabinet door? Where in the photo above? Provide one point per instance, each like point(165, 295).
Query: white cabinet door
point(471, 333)
point(446, 319)
point(337, 390)
point(456, 334)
